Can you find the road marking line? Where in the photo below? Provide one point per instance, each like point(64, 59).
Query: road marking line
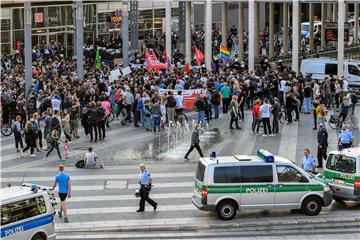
point(127, 197)
point(88, 226)
point(98, 177)
point(104, 210)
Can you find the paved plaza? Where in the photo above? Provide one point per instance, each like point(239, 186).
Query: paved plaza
point(103, 199)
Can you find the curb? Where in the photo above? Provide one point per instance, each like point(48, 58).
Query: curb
point(282, 224)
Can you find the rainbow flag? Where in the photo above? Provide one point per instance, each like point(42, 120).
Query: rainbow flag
point(225, 54)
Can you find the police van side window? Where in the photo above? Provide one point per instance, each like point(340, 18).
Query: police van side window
point(330, 69)
point(250, 174)
point(289, 174)
point(226, 174)
point(200, 172)
point(341, 163)
point(17, 211)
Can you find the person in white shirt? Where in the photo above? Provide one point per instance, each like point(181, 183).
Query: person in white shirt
point(55, 103)
point(265, 115)
point(179, 102)
point(90, 158)
point(345, 85)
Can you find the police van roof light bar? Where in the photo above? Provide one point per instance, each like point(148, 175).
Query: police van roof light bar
point(265, 155)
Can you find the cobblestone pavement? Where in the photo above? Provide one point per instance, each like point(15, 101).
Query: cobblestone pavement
point(103, 199)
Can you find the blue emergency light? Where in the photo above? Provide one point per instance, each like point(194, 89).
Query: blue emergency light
point(213, 154)
point(265, 155)
point(34, 187)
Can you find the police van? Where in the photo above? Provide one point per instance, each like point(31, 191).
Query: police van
point(342, 172)
point(229, 184)
point(27, 212)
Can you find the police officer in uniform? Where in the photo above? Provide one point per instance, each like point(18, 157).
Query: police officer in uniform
point(345, 137)
point(322, 138)
point(145, 187)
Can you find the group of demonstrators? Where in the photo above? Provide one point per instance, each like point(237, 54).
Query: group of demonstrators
point(58, 102)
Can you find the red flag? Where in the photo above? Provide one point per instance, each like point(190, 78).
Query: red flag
point(165, 56)
point(199, 56)
point(187, 68)
point(153, 57)
point(147, 54)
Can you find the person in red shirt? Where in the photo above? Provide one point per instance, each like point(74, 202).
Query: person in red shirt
point(256, 117)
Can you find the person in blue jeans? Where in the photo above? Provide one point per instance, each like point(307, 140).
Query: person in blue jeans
point(63, 180)
point(156, 115)
point(308, 92)
point(215, 101)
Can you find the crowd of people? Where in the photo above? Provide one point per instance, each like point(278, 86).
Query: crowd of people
point(58, 102)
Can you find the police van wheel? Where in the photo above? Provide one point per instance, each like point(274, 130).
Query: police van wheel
point(39, 236)
point(312, 206)
point(226, 210)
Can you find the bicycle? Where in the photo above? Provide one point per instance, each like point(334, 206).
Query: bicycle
point(335, 121)
point(6, 129)
point(283, 117)
point(180, 117)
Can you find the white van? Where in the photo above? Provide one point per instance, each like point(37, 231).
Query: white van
point(229, 184)
point(27, 212)
point(305, 28)
point(320, 68)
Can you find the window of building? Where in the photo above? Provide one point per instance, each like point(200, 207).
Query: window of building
point(38, 17)
point(251, 174)
point(18, 18)
point(17, 211)
point(54, 16)
point(90, 13)
point(227, 174)
point(5, 24)
point(288, 174)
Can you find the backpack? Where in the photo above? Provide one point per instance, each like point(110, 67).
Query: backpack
point(200, 105)
point(100, 114)
point(215, 98)
point(55, 121)
point(49, 139)
point(93, 115)
point(34, 126)
point(171, 102)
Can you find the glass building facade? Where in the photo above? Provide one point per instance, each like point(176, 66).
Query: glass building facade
point(55, 22)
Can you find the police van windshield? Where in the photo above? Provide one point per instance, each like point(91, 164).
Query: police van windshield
point(200, 171)
point(341, 163)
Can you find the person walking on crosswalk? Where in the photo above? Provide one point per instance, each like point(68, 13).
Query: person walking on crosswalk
point(145, 188)
point(195, 142)
point(63, 179)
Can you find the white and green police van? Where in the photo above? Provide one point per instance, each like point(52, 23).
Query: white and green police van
point(264, 182)
point(342, 172)
point(27, 212)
